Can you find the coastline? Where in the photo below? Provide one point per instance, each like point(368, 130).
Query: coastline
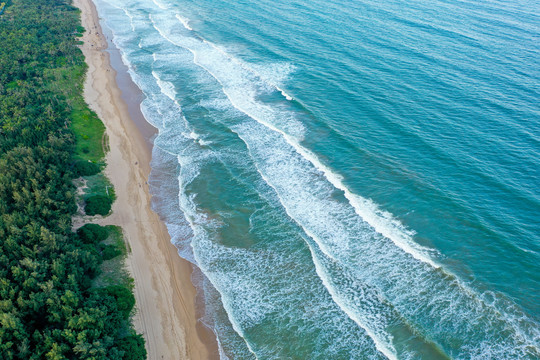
point(165, 297)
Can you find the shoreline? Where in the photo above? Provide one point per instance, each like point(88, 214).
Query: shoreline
point(165, 297)
point(130, 93)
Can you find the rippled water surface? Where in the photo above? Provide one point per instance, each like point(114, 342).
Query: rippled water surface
point(354, 179)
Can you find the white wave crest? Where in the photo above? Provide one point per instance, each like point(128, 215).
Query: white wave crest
point(184, 22)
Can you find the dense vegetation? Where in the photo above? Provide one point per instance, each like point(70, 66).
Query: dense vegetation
point(98, 204)
point(57, 298)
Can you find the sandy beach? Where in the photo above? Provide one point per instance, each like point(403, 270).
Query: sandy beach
point(166, 308)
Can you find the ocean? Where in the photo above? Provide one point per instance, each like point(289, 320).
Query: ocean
point(354, 179)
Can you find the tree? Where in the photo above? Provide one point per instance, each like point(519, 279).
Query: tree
point(48, 307)
point(98, 204)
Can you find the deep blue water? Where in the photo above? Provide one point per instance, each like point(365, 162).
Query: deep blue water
point(355, 179)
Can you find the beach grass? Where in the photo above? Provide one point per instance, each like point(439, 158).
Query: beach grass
point(89, 131)
point(100, 185)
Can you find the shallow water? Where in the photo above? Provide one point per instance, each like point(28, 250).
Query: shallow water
point(354, 179)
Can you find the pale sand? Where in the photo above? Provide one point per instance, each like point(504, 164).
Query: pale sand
point(165, 296)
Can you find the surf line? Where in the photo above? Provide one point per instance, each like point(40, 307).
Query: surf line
point(189, 209)
point(364, 208)
point(369, 215)
point(381, 346)
point(386, 349)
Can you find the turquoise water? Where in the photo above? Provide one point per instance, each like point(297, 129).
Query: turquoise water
point(354, 179)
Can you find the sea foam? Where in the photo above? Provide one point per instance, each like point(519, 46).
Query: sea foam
point(340, 225)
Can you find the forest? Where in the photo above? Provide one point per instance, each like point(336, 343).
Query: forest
point(58, 299)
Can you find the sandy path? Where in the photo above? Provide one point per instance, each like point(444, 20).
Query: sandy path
point(163, 290)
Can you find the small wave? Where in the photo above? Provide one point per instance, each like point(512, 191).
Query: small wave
point(381, 340)
point(197, 138)
point(166, 87)
point(383, 222)
point(184, 22)
point(287, 96)
point(160, 5)
point(130, 18)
